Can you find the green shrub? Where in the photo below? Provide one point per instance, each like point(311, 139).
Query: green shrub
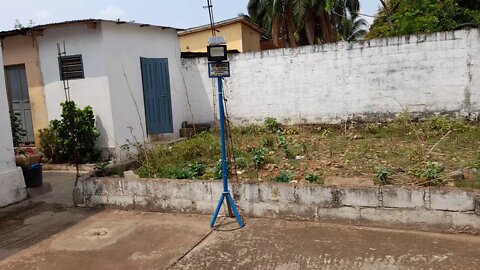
point(382, 177)
point(268, 142)
point(283, 177)
point(241, 163)
point(191, 171)
point(251, 130)
point(172, 172)
point(218, 173)
point(311, 177)
point(181, 159)
point(17, 130)
point(258, 156)
point(289, 154)
point(444, 125)
point(195, 169)
point(271, 124)
point(282, 140)
point(71, 138)
point(101, 169)
point(432, 172)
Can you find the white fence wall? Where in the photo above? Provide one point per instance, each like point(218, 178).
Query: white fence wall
point(435, 73)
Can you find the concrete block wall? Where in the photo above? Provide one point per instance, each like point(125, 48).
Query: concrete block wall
point(399, 207)
point(372, 80)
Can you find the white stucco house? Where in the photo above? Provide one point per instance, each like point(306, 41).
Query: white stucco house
point(129, 73)
point(12, 185)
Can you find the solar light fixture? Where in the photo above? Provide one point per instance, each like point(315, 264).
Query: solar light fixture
point(217, 53)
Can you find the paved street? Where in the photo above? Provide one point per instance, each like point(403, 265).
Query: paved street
point(40, 234)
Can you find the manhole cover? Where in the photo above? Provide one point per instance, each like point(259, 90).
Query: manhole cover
point(93, 236)
point(95, 233)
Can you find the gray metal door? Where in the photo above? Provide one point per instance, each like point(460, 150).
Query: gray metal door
point(156, 95)
point(17, 90)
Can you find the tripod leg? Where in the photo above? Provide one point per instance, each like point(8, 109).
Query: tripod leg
point(229, 207)
point(235, 211)
point(219, 205)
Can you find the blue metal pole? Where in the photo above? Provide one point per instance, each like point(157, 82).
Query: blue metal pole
point(226, 193)
point(222, 135)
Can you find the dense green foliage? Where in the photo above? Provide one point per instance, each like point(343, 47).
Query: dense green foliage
point(185, 160)
point(302, 22)
point(17, 130)
point(405, 17)
point(73, 138)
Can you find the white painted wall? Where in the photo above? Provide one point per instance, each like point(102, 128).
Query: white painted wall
point(93, 90)
point(12, 185)
point(328, 83)
point(126, 43)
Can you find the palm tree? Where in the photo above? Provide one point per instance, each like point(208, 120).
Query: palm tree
point(301, 21)
point(276, 17)
point(352, 28)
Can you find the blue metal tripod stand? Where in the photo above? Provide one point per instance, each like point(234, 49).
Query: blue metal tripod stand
point(226, 196)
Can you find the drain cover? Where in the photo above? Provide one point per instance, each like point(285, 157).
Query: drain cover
point(95, 233)
point(93, 236)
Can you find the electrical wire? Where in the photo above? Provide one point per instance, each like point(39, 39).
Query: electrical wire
point(230, 143)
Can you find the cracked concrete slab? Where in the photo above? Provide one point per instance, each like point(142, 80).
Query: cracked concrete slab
point(280, 244)
point(39, 234)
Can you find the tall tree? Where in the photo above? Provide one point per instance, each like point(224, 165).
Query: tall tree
point(301, 22)
point(405, 17)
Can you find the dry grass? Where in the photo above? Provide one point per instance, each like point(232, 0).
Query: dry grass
point(407, 152)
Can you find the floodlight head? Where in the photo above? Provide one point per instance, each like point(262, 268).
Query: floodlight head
point(217, 40)
point(217, 53)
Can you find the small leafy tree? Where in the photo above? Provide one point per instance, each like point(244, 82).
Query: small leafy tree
point(73, 138)
point(17, 130)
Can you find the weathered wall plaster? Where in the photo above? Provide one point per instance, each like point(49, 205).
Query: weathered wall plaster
point(399, 207)
point(12, 185)
point(24, 50)
point(374, 80)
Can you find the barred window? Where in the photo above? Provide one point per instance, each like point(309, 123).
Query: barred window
point(71, 67)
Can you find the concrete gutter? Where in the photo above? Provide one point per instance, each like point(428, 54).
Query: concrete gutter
point(431, 209)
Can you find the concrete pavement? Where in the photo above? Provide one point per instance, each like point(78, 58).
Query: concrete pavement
point(42, 234)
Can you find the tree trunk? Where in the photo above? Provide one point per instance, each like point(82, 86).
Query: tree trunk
point(310, 26)
point(291, 33)
point(276, 28)
point(328, 35)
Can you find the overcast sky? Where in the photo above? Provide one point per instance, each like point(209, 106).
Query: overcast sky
point(176, 13)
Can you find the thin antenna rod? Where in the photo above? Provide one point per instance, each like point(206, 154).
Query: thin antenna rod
point(212, 20)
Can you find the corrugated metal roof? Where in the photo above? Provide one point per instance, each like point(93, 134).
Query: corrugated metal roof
point(27, 30)
point(243, 19)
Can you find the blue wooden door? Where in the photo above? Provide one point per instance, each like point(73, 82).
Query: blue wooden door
point(17, 90)
point(156, 95)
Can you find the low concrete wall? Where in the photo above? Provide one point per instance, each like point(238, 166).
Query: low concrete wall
point(416, 208)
